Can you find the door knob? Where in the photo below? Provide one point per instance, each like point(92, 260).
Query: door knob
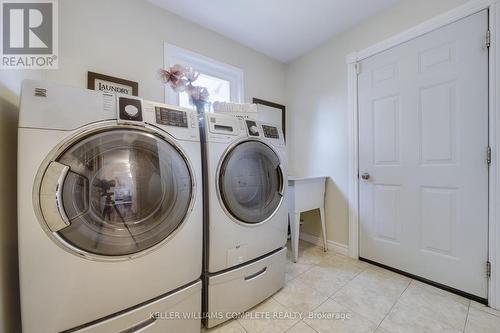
point(365, 176)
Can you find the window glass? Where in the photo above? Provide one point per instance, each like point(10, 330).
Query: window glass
point(219, 89)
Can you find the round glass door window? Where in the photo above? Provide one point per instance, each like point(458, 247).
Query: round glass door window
point(251, 182)
point(126, 191)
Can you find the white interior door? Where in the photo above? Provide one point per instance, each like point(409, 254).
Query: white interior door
point(423, 137)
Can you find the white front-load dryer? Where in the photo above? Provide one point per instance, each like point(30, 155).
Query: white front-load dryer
point(109, 212)
point(246, 199)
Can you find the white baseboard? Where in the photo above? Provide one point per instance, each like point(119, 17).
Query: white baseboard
point(333, 246)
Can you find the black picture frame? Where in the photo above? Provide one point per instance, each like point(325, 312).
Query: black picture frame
point(276, 106)
point(93, 76)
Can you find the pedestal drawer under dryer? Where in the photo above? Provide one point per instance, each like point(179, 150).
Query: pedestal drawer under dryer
point(242, 288)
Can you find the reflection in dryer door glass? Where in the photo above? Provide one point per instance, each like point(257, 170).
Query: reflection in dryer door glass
point(126, 192)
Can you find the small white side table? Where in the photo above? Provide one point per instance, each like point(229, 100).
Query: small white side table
point(306, 193)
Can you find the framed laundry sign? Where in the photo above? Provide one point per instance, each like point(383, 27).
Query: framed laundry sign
point(111, 84)
point(271, 112)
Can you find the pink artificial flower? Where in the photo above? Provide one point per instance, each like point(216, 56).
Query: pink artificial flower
point(191, 74)
point(181, 78)
point(174, 77)
point(198, 93)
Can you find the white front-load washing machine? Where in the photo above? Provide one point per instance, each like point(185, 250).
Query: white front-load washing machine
point(246, 214)
point(109, 213)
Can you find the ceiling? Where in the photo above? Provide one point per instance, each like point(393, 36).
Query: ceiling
point(282, 29)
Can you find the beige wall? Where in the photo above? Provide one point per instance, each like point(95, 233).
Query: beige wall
point(316, 87)
point(122, 38)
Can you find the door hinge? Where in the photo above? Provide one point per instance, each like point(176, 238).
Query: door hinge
point(488, 155)
point(488, 269)
point(488, 38)
point(357, 67)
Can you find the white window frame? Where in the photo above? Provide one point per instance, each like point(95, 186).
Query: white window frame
point(177, 55)
point(437, 22)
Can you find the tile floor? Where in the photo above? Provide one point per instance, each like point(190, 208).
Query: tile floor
point(368, 298)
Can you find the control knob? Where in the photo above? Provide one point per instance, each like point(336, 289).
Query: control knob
point(131, 110)
point(254, 129)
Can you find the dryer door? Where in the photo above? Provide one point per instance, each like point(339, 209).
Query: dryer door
point(251, 182)
point(116, 192)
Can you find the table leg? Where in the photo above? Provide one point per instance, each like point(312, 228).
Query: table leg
point(294, 231)
point(323, 227)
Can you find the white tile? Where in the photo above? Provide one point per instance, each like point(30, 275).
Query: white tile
point(301, 327)
point(312, 256)
point(381, 330)
point(348, 266)
point(309, 254)
point(482, 322)
point(484, 308)
point(442, 292)
point(327, 280)
point(231, 326)
point(372, 293)
point(384, 281)
point(370, 304)
point(297, 296)
point(269, 316)
point(436, 304)
point(303, 245)
point(408, 319)
point(335, 259)
point(358, 263)
point(295, 269)
point(341, 320)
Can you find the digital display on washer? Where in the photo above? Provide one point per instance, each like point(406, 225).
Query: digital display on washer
point(171, 117)
point(270, 132)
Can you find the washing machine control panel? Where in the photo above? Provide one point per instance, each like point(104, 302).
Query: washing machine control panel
point(170, 117)
point(270, 132)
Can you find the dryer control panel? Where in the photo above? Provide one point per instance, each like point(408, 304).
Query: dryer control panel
point(224, 125)
point(226, 128)
point(270, 132)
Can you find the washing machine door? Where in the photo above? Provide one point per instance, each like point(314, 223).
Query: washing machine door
point(116, 192)
point(251, 182)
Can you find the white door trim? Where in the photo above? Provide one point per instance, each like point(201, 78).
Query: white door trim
point(353, 59)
